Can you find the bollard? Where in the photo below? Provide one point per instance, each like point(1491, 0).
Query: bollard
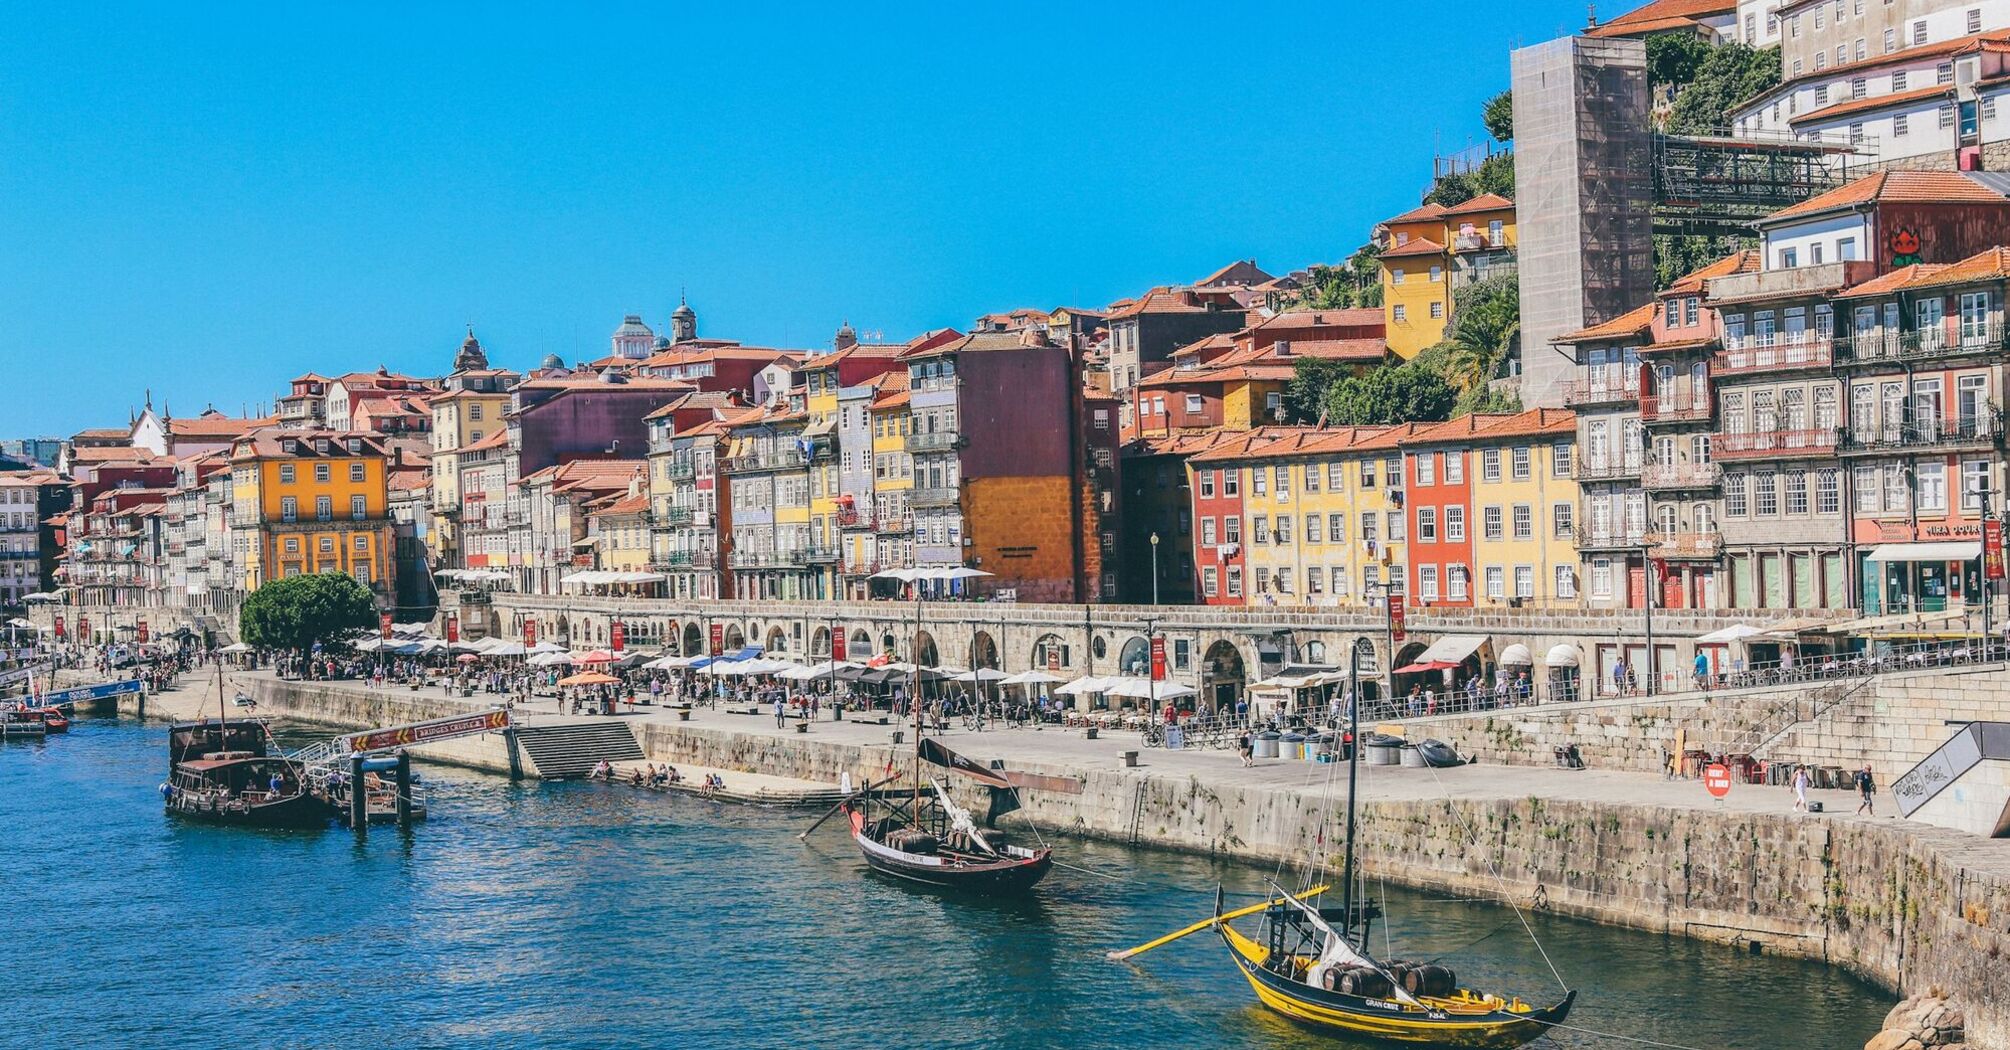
point(359, 803)
point(404, 789)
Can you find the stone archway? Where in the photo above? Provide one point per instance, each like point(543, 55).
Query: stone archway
point(673, 638)
point(1222, 674)
point(925, 652)
point(1403, 682)
point(859, 649)
point(1367, 669)
point(776, 641)
point(983, 652)
point(735, 640)
point(694, 640)
point(1313, 652)
point(1051, 654)
point(888, 645)
point(820, 643)
point(1134, 660)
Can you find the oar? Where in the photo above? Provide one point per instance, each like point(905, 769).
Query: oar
point(833, 810)
point(1202, 925)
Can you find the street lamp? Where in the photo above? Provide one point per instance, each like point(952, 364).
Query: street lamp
point(1155, 568)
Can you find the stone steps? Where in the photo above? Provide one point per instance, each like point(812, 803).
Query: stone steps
point(572, 749)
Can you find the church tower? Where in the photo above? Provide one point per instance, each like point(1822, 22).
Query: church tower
point(472, 357)
point(683, 322)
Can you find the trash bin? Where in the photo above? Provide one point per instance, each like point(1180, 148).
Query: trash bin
point(1130, 759)
point(899, 735)
point(1412, 757)
point(1320, 748)
point(1266, 745)
point(1292, 747)
point(1380, 753)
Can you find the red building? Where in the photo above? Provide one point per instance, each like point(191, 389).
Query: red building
point(1438, 497)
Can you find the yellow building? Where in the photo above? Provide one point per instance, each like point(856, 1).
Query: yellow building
point(619, 526)
point(460, 418)
point(1429, 253)
point(1524, 507)
point(821, 385)
point(311, 501)
point(892, 538)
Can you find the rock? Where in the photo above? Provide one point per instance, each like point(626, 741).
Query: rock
point(1893, 1039)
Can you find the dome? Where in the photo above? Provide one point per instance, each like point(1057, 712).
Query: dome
point(683, 310)
point(552, 361)
point(662, 342)
point(471, 355)
point(632, 325)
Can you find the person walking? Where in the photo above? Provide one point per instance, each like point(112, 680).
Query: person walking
point(781, 712)
point(1245, 747)
point(1866, 789)
point(1801, 789)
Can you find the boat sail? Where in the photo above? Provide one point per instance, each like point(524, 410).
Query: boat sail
point(1312, 965)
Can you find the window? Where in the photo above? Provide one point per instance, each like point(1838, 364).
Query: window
point(1455, 577)
point(1989, 107)
point(1491, 526)
point(1427, 468)
point(355, 472)
point(1919, 32)
point(1193, 404)
point(1207, 532)
point(1231, 482)
point(1566, 582)
point(1894, 490)
point(1315, 579)
point(1898, 81)
point(1789, 258)
point(1974, 20)
point(358, 508)
point(1560, 455)
point(1943, 73)
point(321, 472)
point(1890, 42)
point(1855, 138)
point(289, 508)
point(1399, 313)
point(1336, 527)
point(1283, 474)
point(1311, 477)
point(1524, 521)
point(1859, 87)
point(1340, 581)
point(1283, 529)
point(1397, 526)
point(1490, 464)
point(1601, 578)
point(1455, 468)
point(1207, 484)
point(1367, 473)
point(1828, 491)
point(1231, 530)
point(1524, 581)
point(286, 473)
point(1259, 482)
point(1797, 492)
point(1336, 476)
point(1315, 529)
point(1455, 524)
point(1932, 481)
point(1521, 461)
point(1437, 274)
point(292, 544)
point(362, 544)
point(1235, 581)
point(1437, 311)
point(1564, 517)
point(1259, 529)
point(1766, 494)
point(1974, 478)
point(327, 545)
point(1734, 496)
point(1396, 276)
point(1496, 581)
point(1209, 580)
point(1427, 525)
point(1427, 582)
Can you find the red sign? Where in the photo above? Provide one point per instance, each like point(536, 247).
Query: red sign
point(529, 633)
point(60, 635)
point(1053, 658)
point(1992, 549)
point(419, 733)
point(453, 629)
point(1717, 779)
point(1395, 601)
point(83, 628)
point(1158, 659)
point(142, 632)
point(837, 646)
point(384, 625)
point(718, 638)
point(617, 636)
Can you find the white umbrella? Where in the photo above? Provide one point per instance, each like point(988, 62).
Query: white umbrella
point(558, 659)
point(1031, 678)
point(549, 647)
point(982, 674)
point(1089, 684)
point(235, 647)
point(1145, 688)
point(1735, 633)
point(507, 649)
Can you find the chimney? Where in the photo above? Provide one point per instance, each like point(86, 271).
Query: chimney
point(1282, 347)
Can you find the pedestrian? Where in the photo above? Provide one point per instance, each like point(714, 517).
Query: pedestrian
point(781, 712)
point(1702, 670)
point(1866, 789)
point(1619, 677)
point(1801, 789)
point(1246, 747)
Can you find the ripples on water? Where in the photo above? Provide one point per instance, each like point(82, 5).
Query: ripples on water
point(579, 915)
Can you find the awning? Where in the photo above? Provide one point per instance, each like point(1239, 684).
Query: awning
point(1562, 656)
point(1452, 648)
point(1517, 656)
point(1957, 550)
point(1737, 632)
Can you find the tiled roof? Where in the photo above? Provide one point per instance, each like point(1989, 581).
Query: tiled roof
point(1911, 186)
point(1340, 349)
point(1870, 103)
point(104, 434)
point(301, 444)
point(1532, 423)
point(1414, 247)
point(215, 424)
point(99, 455)
point(407, 480)
point(1744, 261)
point(1661, 15)
point(713, 399)
point(1357, 315)
point(1421, 213)
point(1979, 41)
point(1632, 322)
point(1990, 265)
point(1460, 429)
point(635, 504)
point(1161, 300)
point(496, 438)
point(1481, 203)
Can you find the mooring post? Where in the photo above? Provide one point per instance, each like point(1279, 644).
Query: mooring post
point(404, 789)
point(359, 796)
point(515, 760)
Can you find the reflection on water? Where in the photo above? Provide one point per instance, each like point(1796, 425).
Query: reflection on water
point(580, 915)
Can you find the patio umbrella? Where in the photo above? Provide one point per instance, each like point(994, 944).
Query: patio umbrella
point(589, 678)
point(549, 647)
point(466, 658)
point(1737, 632)
point(1089, 684)
point(1032, 678)
point(982, 674)
point(560, 659)
point(506, 649)
point(235, 647)
point(1428, 665)
point(597, 656)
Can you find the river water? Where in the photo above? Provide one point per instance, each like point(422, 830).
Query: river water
point(584, 915)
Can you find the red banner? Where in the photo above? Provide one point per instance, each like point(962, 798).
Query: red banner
point(718, 638)
point(617, 636)
point(1053, 658)
point(400, 736)
point(529, 633)
point(384, 625)
point(1992, 549)
point(83, 628)
point(141, 634)
point(1158, 659)
point(837, 646)
point(453, 629)
point(1395, 602)
point(60, 632)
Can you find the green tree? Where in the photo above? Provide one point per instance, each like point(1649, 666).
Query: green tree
point(1400, 394)
point(1494, 175)
point(1498, 116)
point(1305, 395)
point(299, 611)
point(1728, 75)
point(1356, 282)
point(1673, 59)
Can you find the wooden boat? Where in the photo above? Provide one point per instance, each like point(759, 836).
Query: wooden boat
point(941, 846)
point(221, 772)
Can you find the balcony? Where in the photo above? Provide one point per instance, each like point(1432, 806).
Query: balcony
point(767, 559)
point(858, 568)
point(893, 524)
point(1682, 406)
point(676, 517)
point(820, 556)
point(1775, 444)
point(1799, 282)
point(675, 560)
point(1594, 538)
point(1783, 353)
point(1602, 385)
point(1671, 477)
point(1684, 546)
point(948, 496)
point(848, 517)
point(680, 470)
point(1874, 348)
point(939, 441)
point(1617, 469)
point(778, 459)
point(1977, 432)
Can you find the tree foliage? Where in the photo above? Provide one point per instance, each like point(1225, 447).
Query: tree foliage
point(1494, 175)
point(1356, 282)
point(1305, 395)
point(299, 611)
point(1404, 393)
point(1674, 58)
point(1727, 75)
point(1498, 116)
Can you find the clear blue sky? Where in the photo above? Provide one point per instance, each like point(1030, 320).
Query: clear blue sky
point(208, 200)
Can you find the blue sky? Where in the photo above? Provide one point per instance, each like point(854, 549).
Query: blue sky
point(206, 200)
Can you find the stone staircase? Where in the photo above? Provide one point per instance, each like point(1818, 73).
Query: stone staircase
point(572, 749)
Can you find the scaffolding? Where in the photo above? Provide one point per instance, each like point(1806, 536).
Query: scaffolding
point(1718, 185)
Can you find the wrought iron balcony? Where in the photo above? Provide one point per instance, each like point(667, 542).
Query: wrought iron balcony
point(1782, 354)
point(777, 459)
point(1684, 546)
point(893, 524)
point(676, 517)
point(1667, 477)
point(947, 496)
point(1590, 538)
point(680, 470)
point(1681, 407)
point(767, 559)
point(820, 555)
point(938, 441)
point(1880, 347)
point(1983, 431)
point(1775, 444)
point(1617, 468)
point(1602, 388)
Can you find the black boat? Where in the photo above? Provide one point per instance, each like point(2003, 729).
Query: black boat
point(935, 842)
point(222, 773)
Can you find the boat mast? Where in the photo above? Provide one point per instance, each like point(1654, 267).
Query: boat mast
point(1353, 770)
point(222, 714)
point(914, 651)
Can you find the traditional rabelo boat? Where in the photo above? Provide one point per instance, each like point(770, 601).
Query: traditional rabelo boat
point(223, 772)
point(1312, 965)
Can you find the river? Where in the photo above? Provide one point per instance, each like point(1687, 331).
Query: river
point(583, 915)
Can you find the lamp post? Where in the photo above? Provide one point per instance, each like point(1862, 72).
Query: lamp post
point(1155, 568)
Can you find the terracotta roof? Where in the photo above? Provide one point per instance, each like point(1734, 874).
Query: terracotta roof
point(407, 480)
point(1979, 41)
point(1534, 422)
point(1224, 271)
point(594, 382)
point(1464, 427)
point(1421, 213)
point(103, 434)
point(1339, 349)
point(1990, 265)
point(1662, 15)
point(635, 504)
point(713, 399)
point(1632, 322)
point(1744, 261)
point(1162, 300)
point(1673, 345)
point(92, 454)
point(1483, 202)
point(496, 438)
point(1912, 186)
point(1870, 103)
point(1414, 247)
point(215, 424)
point(301, 444)
point(1356, 315)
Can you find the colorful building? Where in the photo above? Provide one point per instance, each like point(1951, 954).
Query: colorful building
point(309, 501)
point(1429, 254)
point(1523, 510)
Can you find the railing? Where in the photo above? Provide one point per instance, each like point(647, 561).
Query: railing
point(782, 459)
point(937, 441)
point(853, 568)
point(1932, 433)
point(1881, 346)
point(1676, 408)
point(1588, 538)
point(1772, 444)
point(1680, 475)
point(1685, 545)
point(1602, 390)
point(767, 559)
point(935, 497)
point(679, 470)
point(676, 560)
point(820, 555)
point(1804, 350)
point(893, 524)
point(676, 516)
point(1611, 470)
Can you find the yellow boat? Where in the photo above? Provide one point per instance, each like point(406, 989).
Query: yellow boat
point(1314, 975)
